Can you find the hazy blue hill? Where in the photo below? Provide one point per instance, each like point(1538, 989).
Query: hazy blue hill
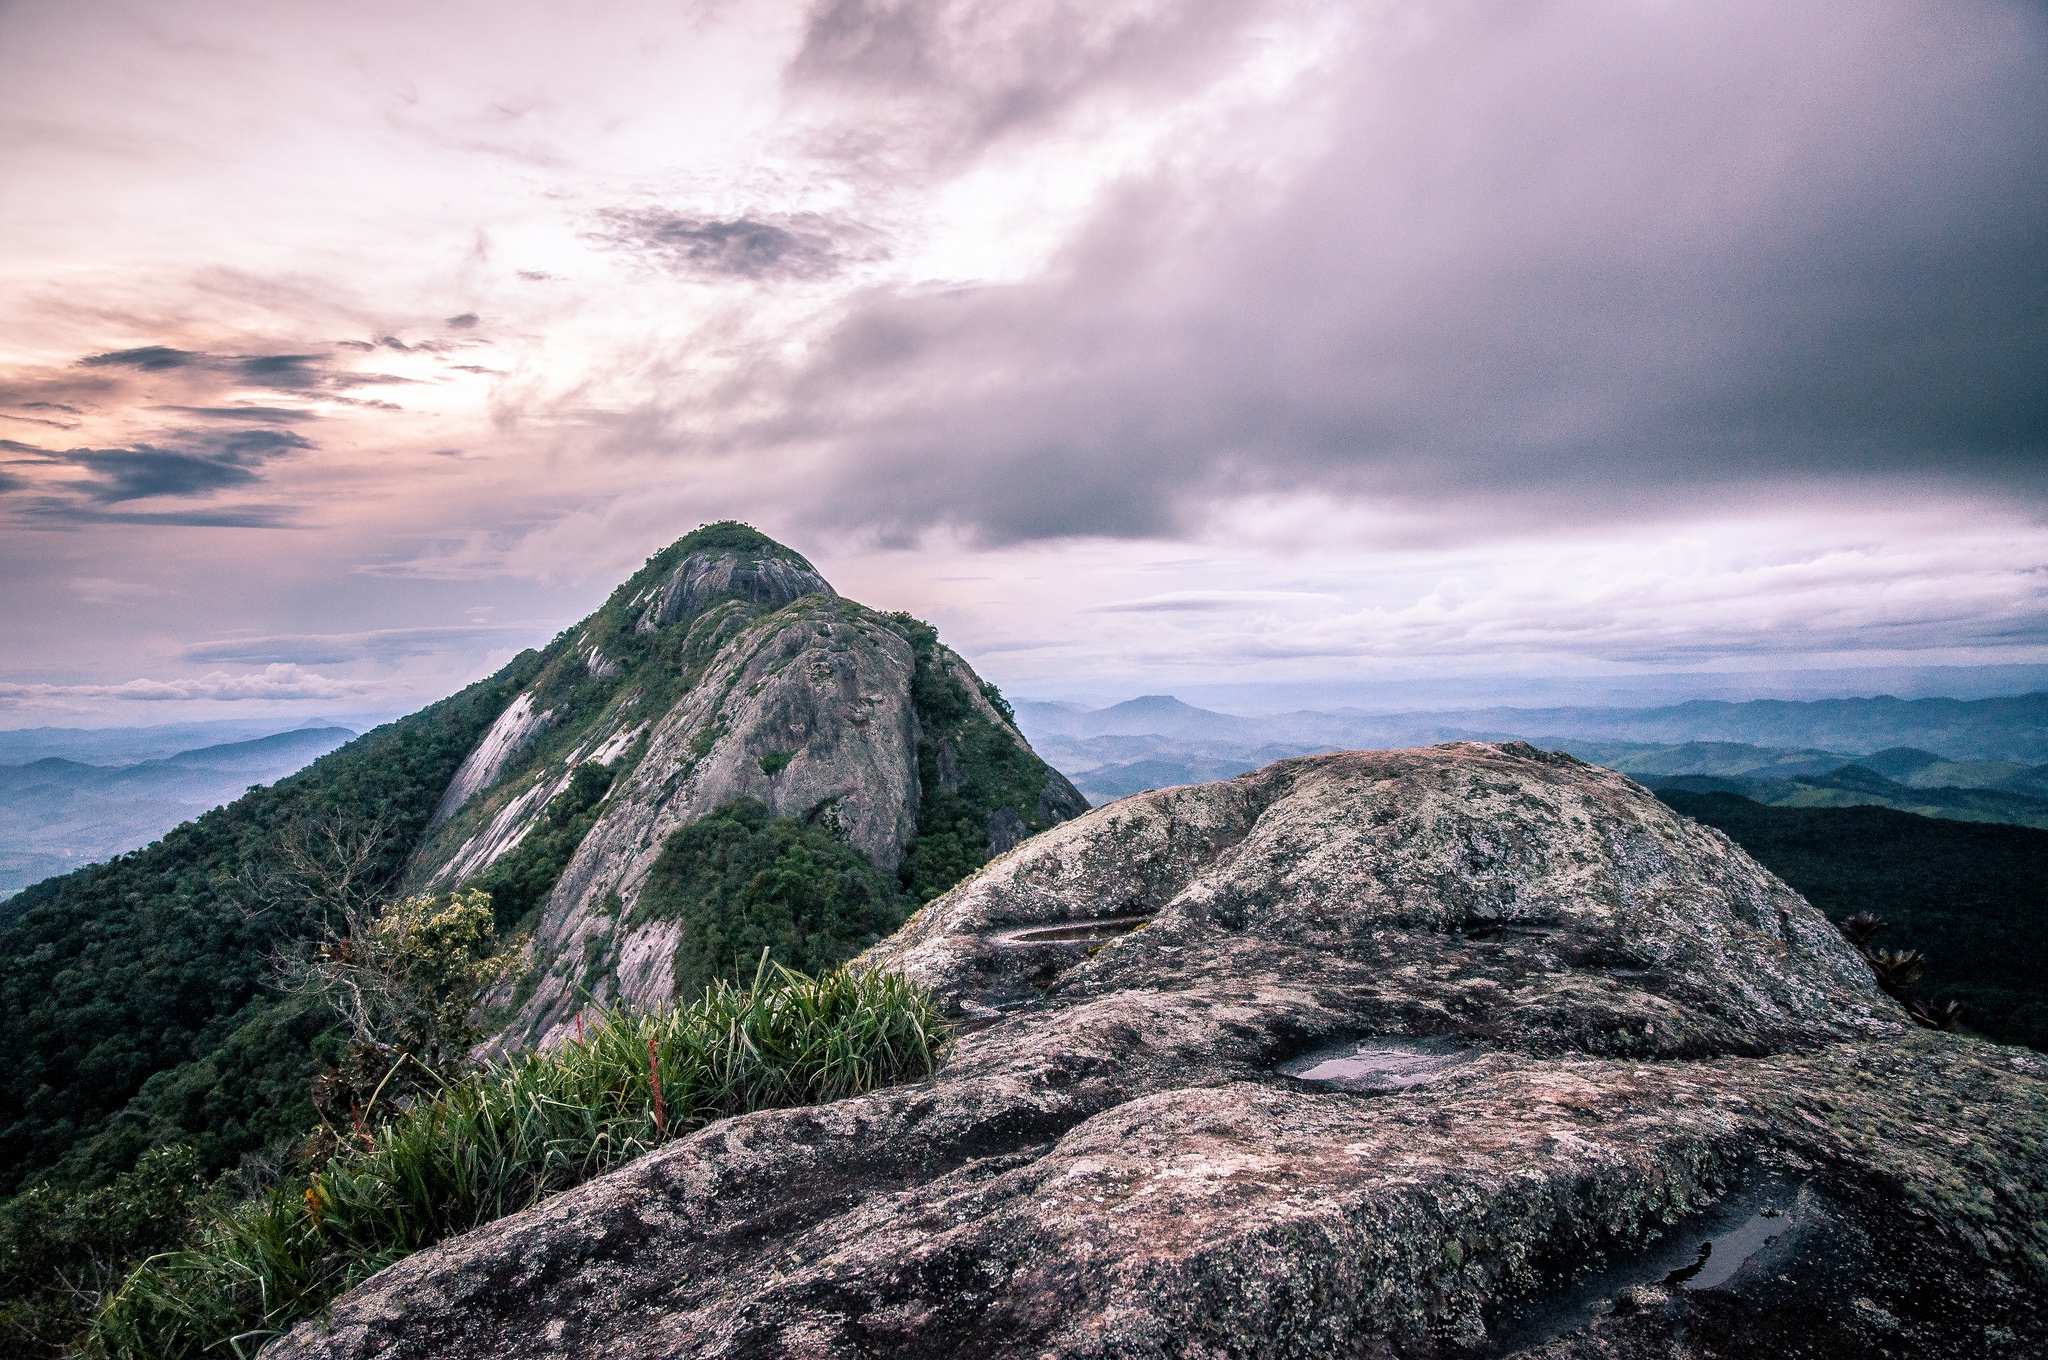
point(1972, 897)
point(128, 745)
point(2009, 729)
point(2014, 729)
point(1151, 714)
point(1858, 786)
point(1728, 758)
point(1979, 759)
point(57, 814)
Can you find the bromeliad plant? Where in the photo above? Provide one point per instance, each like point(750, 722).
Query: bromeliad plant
point(512, 1132)
point(1897, 970)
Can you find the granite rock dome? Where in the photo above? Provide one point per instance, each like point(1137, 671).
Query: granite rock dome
point(1463, 1051)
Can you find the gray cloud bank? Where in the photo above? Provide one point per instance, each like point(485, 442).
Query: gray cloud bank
point(1555, 261)
point(765, 248)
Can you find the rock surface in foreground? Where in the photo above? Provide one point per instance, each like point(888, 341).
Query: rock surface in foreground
point(1637, 1040)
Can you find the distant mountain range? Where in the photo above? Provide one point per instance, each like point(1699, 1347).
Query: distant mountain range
point(129, 745)
point(58, 814)
point(1971, 760)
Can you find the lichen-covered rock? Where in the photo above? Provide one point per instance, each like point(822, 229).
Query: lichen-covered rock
point(1616, 1038)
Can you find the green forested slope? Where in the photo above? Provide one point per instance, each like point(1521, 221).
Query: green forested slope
point(133, 1001)
point(1971, 896)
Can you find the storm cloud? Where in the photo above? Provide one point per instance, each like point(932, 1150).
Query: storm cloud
point(1595, 259)
point(198, 464)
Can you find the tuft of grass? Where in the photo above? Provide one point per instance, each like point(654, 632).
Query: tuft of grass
point(510, 1134)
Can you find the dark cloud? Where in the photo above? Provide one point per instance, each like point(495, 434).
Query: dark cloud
point(281, 372)
point(57, 512)
point(297, 372)
point(150, 359)
point(1585, 263)
point(10, 482)
point(50, 406)
point(462, 323)
point(200, 463)
point(265, 414)
point(795, 247)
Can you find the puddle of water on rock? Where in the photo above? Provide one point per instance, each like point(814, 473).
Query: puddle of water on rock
point(1071, 932)
point(1702, 1252)
point(1490, 932)
point(1378, 1064)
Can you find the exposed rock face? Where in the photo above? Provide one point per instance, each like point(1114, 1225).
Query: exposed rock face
point(726, 668)
point(822, 682)
point(1460, 1051)
point(508, 736)
point(706, 578)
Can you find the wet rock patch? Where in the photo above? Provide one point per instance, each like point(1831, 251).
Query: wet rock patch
point(1087, 931)
point(1377, 1066)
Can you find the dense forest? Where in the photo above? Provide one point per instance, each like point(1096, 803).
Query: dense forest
point(1972, 897)
point(134, 1000)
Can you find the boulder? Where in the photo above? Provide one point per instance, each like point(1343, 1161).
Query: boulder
point(1465, 1051)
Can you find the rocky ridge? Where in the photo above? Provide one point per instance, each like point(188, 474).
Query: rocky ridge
point(1459, 1051)
point(726, 668)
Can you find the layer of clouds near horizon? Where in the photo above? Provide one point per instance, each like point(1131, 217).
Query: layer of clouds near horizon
point(460, 302)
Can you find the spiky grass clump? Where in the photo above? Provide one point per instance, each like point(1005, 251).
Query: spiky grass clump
point(511, 1134)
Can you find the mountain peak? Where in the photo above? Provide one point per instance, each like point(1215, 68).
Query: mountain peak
point(732, 538)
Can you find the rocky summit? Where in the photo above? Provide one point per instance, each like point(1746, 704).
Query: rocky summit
point(1465, 1051)
point(725, 669)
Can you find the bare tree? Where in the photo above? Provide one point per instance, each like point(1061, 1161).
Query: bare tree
point(326, 864)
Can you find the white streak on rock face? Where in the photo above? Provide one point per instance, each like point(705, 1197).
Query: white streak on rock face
point(503, 834)
point(647, 959)
point(614, 746)
point(508, 736)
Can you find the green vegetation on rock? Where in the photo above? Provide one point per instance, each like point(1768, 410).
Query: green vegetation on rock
point(512, 1133)
point(1970, 896)
point(519, 883)
point(983, 790)
point(739, 882)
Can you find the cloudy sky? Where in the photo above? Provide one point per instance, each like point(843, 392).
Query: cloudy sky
point(346, 348)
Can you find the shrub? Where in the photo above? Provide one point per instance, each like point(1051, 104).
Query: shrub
point(60, 1249)
point(506, 1136)
point(405, 981)
point(741, 881)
